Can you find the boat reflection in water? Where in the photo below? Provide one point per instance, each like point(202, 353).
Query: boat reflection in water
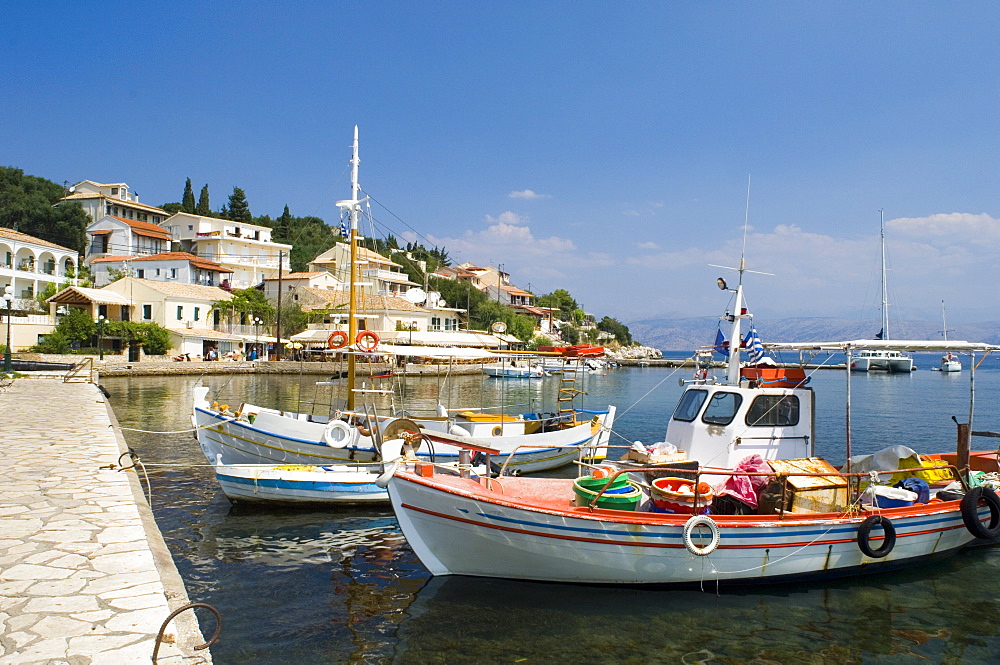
point(902, 618)
point(329, 583)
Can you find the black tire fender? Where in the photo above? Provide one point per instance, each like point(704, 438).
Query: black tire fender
point(970, 512)
point(865, 532)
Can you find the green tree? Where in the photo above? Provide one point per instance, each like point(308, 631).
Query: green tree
point(239, 209)
point(570, 335)
point(187, 201)
point(76, 325)
point(561, 301)
point(30, 204)
point(203, 208)
point(293, 319)
point(308, 236)
point(616, 328)
point(244, 305)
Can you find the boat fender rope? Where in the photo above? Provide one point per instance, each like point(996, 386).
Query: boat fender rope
point(692, 524)
point(970, 512)
point(338, 434)
point(865, 531)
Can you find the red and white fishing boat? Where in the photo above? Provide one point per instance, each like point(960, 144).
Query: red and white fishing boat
point(548, 529)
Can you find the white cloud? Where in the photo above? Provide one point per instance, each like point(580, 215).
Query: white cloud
point(527, 194)
point(958, 225)
point(647, 245)
point(631, 213)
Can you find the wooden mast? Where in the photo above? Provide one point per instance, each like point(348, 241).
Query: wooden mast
point(353, 205)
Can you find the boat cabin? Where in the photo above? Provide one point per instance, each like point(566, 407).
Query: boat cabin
point(718, 425)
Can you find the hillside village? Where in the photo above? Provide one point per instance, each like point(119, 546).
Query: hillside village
point(168, 281)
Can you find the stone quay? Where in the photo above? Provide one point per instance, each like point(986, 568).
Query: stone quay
point(85, 576)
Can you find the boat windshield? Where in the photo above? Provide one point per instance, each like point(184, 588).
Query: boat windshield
point(690, 404)
point(773, 411)
point(722, 408)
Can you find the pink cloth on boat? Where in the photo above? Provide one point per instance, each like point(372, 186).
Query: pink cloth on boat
point(746, 488)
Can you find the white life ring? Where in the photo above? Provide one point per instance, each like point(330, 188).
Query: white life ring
point(338, 434)
point(691, 525)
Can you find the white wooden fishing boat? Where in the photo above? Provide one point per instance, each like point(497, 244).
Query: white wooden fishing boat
point(298, 484)
point(255, 434)
point(893, 361)
point(548, 529)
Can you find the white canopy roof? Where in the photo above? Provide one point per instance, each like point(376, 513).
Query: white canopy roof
point(885, 345)
point(459, 353)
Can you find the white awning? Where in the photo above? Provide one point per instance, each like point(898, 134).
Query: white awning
point(458, 353)
point(933, 345)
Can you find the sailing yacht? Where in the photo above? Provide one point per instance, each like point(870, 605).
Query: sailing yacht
point(949, 361)
point(882, 360)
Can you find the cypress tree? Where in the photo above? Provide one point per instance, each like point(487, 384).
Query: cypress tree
point(187, 202)
point(239, 209)
point(203, 207)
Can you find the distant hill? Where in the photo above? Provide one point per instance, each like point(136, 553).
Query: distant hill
point(684, 334)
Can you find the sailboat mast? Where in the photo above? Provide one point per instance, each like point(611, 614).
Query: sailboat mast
point(885, 290)
point(352, 322)
point(944, 322)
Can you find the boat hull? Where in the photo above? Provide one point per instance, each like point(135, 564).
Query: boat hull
point(265, 483)
point(225, 439)
point(463, 529)
point(882, 362)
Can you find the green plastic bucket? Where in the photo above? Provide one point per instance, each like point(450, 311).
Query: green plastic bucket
point(596, 484)
point(625, 497)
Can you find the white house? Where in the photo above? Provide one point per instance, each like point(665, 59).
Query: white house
point(183, 309)
point(179, 267)
point(121, 237)
point(30, 264)
point(380, 276)
point(319, 279)
point(113, 199)
point(244, 249)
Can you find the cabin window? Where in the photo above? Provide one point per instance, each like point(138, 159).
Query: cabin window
point(690, 404)
point(722, 408)
point(774, 411)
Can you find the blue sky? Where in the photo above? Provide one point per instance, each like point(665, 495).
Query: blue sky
point(599, 147)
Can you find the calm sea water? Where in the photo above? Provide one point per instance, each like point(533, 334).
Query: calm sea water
point(342, 586)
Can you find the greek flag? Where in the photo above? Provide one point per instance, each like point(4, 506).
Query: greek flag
point(721, 345)
point(755, 349)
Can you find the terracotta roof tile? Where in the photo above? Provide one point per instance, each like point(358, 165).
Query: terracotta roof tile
point(145, 228)
point(11, 234)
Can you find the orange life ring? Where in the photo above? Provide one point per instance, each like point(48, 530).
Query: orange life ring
point(337, 339)
point(367, 335)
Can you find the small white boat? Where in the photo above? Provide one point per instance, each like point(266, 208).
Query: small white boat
point(513, 371)
point(297, 483)
point(949, 361)
point(882, 360)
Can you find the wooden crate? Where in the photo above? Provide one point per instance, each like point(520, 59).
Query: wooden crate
point(808, 494)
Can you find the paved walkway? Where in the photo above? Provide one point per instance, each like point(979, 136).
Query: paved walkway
point(85, 576)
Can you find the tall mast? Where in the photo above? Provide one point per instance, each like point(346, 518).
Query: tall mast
point(944, 322)
point(354, 206)
point(885, 290)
